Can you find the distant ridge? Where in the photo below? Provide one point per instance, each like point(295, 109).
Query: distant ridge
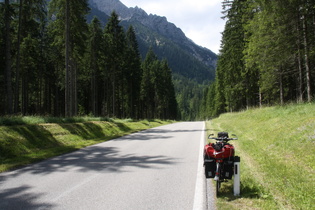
point(168, 41)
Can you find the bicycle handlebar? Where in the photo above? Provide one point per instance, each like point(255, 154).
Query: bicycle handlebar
point(222, 138)
point(216, 138)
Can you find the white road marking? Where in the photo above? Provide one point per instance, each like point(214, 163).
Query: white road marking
point(199, 198)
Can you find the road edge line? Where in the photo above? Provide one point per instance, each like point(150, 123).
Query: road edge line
point(199, 199)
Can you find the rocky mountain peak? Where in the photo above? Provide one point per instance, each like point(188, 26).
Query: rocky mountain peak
point(159, 25)
point(108, 6)
point(154, 22)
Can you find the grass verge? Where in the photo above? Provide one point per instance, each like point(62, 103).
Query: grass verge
point(24, 140)
point(277, 147)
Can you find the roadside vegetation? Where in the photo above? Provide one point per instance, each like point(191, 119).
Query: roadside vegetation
point(266, 57)
point(277, 147)
point(24, 140)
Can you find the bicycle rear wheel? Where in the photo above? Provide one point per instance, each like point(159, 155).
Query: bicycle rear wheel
point(218, 186)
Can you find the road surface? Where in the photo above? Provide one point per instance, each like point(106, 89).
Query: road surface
point(160, 168)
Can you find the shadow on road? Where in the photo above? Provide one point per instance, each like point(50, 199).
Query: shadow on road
point(95, 158)
point(19, 198)
point(101, 158)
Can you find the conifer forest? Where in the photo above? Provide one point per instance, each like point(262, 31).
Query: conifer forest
point(53, 62)
point(267, 56)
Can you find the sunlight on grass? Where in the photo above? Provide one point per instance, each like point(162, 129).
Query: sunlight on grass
point(29, 139)
point(277, 147)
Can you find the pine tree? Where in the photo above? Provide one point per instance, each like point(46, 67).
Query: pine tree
point(71, 30)
point(115, 39)
point(157, 89)
point(278, 41)
point(8, 70)
point(265, 56)
point(133, 74)
point(147, 85)
point(2, 60)
point(169, 102)
point(95, 67)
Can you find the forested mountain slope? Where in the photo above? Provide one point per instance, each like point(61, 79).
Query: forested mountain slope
point(156, 31)
point(193, 66)
point(68, 58)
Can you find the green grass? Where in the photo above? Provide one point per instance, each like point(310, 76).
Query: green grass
point(24, 140)
point(27, 120)
point(277, 150)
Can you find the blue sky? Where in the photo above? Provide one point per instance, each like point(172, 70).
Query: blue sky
point(200, 20)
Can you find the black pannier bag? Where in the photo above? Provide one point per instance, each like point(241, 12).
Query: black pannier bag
point(210, 167)
point(228, 170)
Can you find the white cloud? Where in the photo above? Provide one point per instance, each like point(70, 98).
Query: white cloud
point(199, 19)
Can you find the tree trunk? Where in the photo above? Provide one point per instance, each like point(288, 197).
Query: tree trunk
point(17, 73)
point(307, 67)
point(114, 97)
point(300, 79)
point(281, 87)
point(260, 98)
point(8, 70)
point(68, 111)
point(93, 87)
point(299, 60)
point(74, 90)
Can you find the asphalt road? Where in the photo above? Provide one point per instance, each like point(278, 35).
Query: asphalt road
point(159, 168)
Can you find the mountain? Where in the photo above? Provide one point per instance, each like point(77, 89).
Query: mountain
point(193, 66)
point(168, 41)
